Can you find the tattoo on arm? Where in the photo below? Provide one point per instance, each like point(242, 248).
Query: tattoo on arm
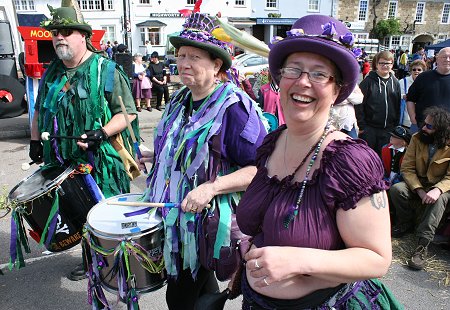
point(378, 200)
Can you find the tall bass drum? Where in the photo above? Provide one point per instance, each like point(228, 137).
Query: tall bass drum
point(54, 201)
point(123, 242)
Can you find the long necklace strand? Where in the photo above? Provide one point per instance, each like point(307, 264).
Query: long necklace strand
point(294, 210)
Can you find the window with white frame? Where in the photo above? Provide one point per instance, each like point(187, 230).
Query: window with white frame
point(271, 4)
point(392, 9)
point(363, 8)
point(90, 5)
point(110, 33)
point(406, 42)
point(420, 12)
point(395, 41)
point(144, 1)
point(151, 34)
point(361, 36)
point(239, 2)
point(313, 5)
point(445, 13)
point(191, 2)
point(441, 38)
point(24, 5)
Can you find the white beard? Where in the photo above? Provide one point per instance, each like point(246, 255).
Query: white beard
point(64, 52)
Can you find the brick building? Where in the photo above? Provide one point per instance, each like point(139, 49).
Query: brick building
point(422, 22)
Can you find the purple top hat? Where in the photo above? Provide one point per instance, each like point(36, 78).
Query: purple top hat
point(197, 33)
point(321, 35)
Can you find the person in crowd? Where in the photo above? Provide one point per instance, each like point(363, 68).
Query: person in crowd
point(365, 67)
point(317, 207)
point(246, 86)
point(416, 68)
point(380, 111)
point(78, 97)
point(114, 48)
point(142, 87)
point(431, 88)
point(205, 147)
point(159, 80)
point(420, 55)
point(148, 50)
point(403, 64)
point(269, 99)
point(345, 118)
point(392, 154)
point(108, 50)
point(426, 173)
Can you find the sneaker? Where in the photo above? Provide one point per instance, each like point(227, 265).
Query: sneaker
point(78, 273)
point(419, 258)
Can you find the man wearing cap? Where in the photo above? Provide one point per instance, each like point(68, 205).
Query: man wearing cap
point(159, 80)
point(79, 96)
point(426, 171)
point(393, 152)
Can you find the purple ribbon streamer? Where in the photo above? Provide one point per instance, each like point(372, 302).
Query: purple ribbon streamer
point(51, 229)
point(13, 242)
point(145, 210)
point(54, 142)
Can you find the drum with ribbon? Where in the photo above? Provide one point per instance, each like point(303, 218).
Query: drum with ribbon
point(54, 201)
point(124, 245)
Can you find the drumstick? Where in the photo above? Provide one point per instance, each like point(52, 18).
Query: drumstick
point(145, 204)
point(130, 129)
point(46, 136)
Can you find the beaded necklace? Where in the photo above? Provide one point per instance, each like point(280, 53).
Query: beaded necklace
point(293, 212)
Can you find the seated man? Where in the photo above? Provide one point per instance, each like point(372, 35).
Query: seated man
point(426, 171)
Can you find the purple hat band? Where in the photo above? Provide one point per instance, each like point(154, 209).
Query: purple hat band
point(321, 35)
point(202, 37)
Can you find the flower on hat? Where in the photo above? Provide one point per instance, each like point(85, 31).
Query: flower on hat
point(329, 29)
point(347, 39)
point(295, 32)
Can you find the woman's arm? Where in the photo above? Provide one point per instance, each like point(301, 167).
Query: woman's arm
point(366, 233)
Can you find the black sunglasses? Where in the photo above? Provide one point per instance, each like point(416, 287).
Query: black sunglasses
point(63, 32)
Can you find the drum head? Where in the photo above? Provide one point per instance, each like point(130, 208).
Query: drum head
point(40, 182)
point(109, 220)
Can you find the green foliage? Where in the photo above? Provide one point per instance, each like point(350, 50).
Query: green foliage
point(274, 15)
point(387, 27)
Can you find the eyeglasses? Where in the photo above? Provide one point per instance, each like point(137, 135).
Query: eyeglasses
point(63, 32)
point(420, 70)
point(385, 63)
point(314, 76)
point(428, 126)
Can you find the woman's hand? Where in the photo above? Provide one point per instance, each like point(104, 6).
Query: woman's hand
point(272, 264)
point(197, 199)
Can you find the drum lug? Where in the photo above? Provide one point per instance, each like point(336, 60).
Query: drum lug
point(60, 191)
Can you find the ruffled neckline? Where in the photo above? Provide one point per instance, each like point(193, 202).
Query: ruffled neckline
point(327, 158)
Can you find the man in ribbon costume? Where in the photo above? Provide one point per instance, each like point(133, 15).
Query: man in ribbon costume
point(204, 150)
point(79, 96)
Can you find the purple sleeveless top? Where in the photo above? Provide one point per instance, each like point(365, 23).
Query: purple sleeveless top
point(349, 170)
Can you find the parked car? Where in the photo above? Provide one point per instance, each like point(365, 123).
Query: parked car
point(249, 64)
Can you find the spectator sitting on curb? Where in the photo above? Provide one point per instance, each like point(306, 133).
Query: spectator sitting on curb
point(426, 171)
point(392, 154)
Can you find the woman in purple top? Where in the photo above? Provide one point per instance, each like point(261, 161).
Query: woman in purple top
point(317, 207)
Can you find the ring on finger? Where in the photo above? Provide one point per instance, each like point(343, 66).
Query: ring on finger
point(193, 210)
point(256, 264)
point(265, 281)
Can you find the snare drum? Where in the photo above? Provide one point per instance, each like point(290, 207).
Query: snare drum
point(36, 196)
point(108, 229)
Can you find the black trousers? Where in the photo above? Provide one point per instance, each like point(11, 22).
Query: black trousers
point(183, 292)
point(376, 138)
point(161, 90)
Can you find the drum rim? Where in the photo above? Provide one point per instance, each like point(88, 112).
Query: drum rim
point(38, 192)
point(113, 236)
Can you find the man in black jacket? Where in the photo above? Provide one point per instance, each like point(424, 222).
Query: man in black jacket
point(379, 112)
point(159, 80)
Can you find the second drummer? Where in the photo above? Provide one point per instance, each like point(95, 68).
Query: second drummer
point(72, 103)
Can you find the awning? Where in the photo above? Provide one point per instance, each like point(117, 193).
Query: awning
point(241, 21)
point(151, 23)
point(31, 20)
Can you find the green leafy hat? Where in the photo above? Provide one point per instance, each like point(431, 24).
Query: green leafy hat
point(68, 16)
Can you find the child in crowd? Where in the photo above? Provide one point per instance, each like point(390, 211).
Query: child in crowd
point(392, 154)
point(365, 67)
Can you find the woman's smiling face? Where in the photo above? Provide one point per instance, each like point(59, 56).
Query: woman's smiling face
point(301, 99)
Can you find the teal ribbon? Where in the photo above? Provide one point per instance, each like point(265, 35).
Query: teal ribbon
point(223, 231)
